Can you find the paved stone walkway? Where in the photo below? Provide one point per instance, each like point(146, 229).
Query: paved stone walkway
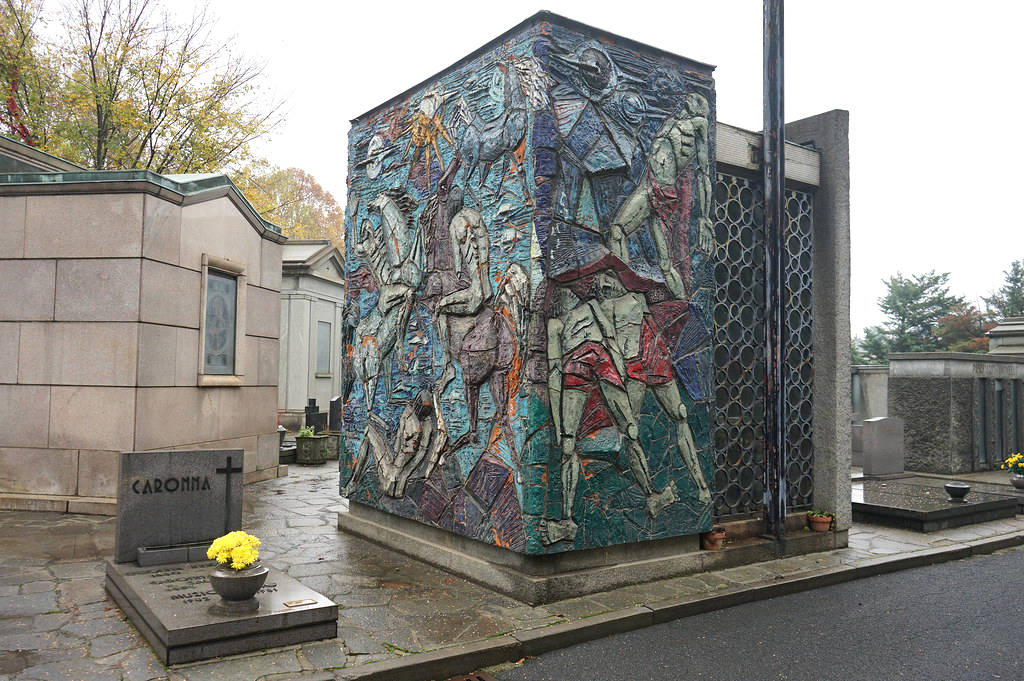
point(56, 623)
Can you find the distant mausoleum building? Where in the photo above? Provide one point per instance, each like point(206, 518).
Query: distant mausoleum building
point(139, 312)
point(312, 308)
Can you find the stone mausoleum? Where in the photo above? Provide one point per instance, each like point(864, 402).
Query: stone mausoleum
point(312, 313)
point(138, 312)
point(554, 266)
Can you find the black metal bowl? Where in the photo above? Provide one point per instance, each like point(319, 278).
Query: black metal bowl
point(957, 490)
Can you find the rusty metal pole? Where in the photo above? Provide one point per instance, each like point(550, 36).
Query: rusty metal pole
point(774, 174)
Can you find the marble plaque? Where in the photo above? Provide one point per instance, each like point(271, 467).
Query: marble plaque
point(176, 610)
point(170, 498)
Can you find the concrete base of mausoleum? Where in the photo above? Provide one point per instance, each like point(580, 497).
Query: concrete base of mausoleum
point(544, 579)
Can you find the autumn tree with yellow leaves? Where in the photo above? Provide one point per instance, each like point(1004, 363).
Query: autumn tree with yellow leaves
point(292, 199)
point(120, 84)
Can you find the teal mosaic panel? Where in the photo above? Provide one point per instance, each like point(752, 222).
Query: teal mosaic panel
point(529, 263)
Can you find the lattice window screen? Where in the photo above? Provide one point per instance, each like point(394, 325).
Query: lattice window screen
point(737, 433)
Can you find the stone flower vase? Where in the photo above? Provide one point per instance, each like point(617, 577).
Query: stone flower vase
point(237, 588)
point(311, 450)
point(1017, 481)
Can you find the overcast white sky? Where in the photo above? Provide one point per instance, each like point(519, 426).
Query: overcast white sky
point(933, 89)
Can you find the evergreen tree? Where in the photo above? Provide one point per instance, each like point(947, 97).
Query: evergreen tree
point(874, 347)
point(1008, 301)
point(913, 306)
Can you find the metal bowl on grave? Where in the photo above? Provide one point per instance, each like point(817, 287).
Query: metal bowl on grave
point(957, 491)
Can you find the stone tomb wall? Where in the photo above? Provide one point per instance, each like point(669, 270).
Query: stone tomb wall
point(963, 411)
point(100, 325)
point(529, 263)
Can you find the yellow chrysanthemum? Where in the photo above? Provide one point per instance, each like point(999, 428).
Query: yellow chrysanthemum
point(235, 549)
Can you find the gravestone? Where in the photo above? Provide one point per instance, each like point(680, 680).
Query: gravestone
point(171, 504)
point(334, 415)
point(882, 443)
point(314, 417)
point(172, 606)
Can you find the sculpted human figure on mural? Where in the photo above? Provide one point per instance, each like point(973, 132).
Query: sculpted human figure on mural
point(585, 355)
point(472, 333)
point(395, 255)
point(648, 366)
point(414, 441)
point(662, 198)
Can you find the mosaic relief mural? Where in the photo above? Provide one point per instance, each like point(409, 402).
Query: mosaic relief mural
point(530, 288)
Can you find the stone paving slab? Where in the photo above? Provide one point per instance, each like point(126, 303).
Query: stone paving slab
point(398, 618)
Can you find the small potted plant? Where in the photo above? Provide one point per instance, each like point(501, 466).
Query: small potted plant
point(712, 541)
point(1015, 464)
point(820, 521)
point(310, 447)
point(239, 575)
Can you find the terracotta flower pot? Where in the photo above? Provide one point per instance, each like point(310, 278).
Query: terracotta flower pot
point(712, 541)
point(819, 524)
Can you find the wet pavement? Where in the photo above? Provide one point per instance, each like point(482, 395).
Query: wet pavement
point(57, 624)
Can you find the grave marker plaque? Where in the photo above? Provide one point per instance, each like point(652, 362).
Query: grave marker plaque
point(175, 498)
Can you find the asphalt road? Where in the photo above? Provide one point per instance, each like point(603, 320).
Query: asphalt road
point(962, 620)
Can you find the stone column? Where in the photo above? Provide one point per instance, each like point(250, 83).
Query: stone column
point(829, 133)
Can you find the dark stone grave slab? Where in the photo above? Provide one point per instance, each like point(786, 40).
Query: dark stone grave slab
point(174, 608)
point(169, 499)
point(924, 508)
point(976, 486)
point(334, 415)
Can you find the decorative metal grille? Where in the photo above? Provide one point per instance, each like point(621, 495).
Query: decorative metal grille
point(738, 355)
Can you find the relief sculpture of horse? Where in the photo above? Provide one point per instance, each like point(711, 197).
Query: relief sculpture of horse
point(476, 329)
point(485, 142)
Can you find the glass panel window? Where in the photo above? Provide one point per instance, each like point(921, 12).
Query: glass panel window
point(221, 299)
point(323, 347)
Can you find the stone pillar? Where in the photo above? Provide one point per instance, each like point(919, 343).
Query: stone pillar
point(829, 133)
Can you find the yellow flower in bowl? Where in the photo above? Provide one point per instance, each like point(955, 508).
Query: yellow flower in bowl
point(236, 550)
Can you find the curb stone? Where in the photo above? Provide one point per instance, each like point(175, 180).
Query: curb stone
point(438, 664)
point(564, 634)
point(465, 658)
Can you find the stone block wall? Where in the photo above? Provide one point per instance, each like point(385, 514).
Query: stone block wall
point(99, 337)
point(869, 386)
point(963, 412)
